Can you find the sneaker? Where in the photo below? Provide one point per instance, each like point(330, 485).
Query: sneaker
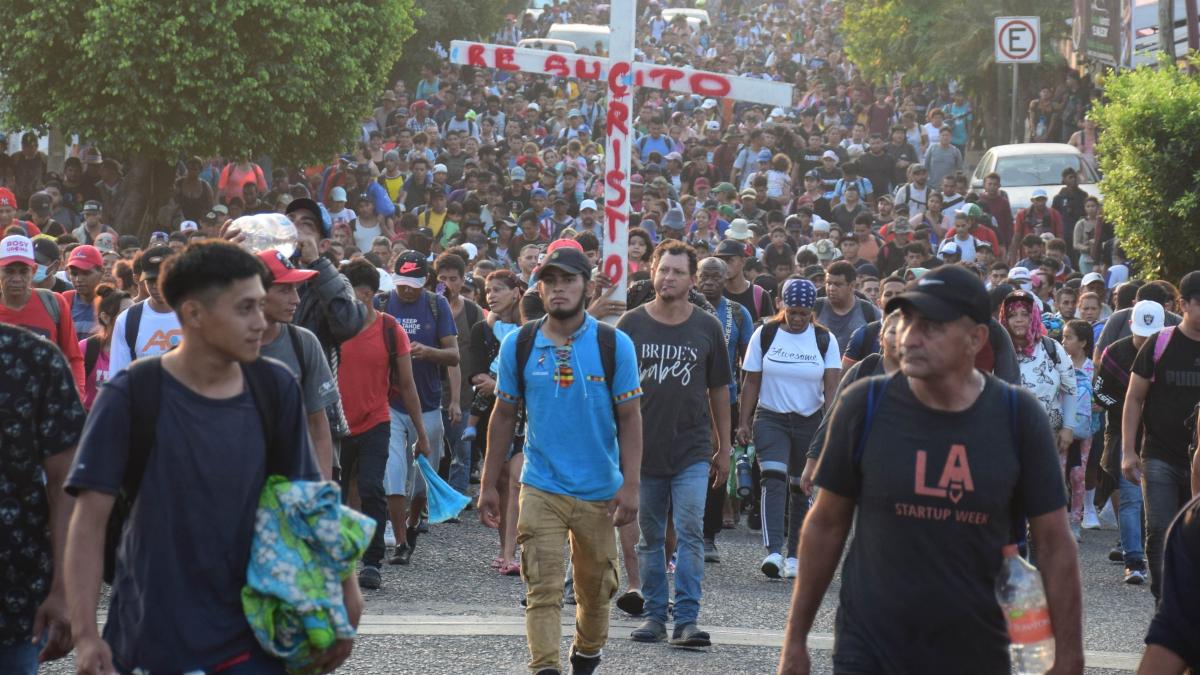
point(649, 631)
point(711, 554)
point(583, 665)
point(1117, 554)
point(1135, 572)
point(772, 565)
point(1090, 520)
point(754, 522)
point(389, 535)
point(632, 602)
point(791, 567)
point(1077, 533)
point(402, 555)
point(1108, 517)
point(688, 635)
point(370, 578)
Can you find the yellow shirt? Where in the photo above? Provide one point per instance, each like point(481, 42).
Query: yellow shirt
point(394, 186)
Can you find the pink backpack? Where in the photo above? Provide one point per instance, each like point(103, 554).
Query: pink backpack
point(1160, 345)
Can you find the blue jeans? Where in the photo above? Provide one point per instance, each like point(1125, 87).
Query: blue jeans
point(1130, 520)
point(460, 456)
point(19, 659)
point(682, 496)
point(1165, 489)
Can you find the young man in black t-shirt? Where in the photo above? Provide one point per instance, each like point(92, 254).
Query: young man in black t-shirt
point(1173, 641)
point(932, 490)
point(181, 565)
point(1164, 389)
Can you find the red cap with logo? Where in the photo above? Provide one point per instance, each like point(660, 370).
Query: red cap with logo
point(7, 198)
point(282, 270)
point(85, 258)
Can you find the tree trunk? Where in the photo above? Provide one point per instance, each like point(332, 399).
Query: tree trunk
point(147, 185)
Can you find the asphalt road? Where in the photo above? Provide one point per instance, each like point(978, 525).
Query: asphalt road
point(449, 612)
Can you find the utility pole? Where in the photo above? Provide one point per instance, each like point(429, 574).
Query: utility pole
point(1166, 27)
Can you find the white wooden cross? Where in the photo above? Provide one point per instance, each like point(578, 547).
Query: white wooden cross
point(622, 74)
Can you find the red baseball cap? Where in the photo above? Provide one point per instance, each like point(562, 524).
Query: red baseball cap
point(85, 258)
point(7, 198)
point(282, 270)
point(563, 243)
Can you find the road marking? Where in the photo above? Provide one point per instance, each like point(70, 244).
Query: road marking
point(514, 626)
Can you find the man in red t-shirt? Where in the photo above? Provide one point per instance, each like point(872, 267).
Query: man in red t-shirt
point(364, 380)
point(41, 311)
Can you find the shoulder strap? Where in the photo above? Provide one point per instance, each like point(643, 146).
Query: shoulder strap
point(389, 344)
point(875, 393)
point(50, 302)
point(264, 387)
point(822, 336)
point(1048, 344)
point(298, 350)
point(606, 337)
point(758, 295)
point(145, 393)
point(432, 299)
point(474, 312)
point(69, 296)
point(767, 336)
point(525, 337)
point(1013, 416)
point(867, 310)
point(1160, 345)
point(91, 353)
point(133, 321)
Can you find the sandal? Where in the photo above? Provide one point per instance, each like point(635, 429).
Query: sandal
point(512, 569)
point(498, 562)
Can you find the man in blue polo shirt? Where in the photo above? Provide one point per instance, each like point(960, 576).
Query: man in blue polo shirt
point(583, 455)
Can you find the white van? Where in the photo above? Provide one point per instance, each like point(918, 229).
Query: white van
point(560, 46)
point(584, 36)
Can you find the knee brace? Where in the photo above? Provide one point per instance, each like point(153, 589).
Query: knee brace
point(773, 470)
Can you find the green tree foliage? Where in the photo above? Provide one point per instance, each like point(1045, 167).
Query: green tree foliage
point(441, 21)
point(1150, 155)
point(150, 80)
point(939, 39)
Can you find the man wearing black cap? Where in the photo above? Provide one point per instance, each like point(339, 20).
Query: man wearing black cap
point(737, 288)
point(583, 456)
point(150, 327)
point(41, 204)
point(940, 456)
point(91, 227)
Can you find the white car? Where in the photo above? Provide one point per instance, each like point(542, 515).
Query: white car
point(1025, 167)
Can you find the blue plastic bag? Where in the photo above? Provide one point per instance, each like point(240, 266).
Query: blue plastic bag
point(444, 501)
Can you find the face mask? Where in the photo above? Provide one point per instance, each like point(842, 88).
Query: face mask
point(41, 274)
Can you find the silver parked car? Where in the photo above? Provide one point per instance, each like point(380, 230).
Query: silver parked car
point(1025, 167)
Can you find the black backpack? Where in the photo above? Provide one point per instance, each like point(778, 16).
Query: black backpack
point(771, 328)
point(864, 306)
point(606, 336)
point(133, 321)
point(91, 354)
point(145, 385)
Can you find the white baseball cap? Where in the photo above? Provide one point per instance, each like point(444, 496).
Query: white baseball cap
point(1147, 318)
point(1019, 274)
point(777, 112)
point(1091, 278)
point(188, 226)
point(829, 154)
point(709, 104)
point(713, 125)
point(440, 168)
point(17, 249)
point(949, 248)
point(337, 194)
point(587, 204)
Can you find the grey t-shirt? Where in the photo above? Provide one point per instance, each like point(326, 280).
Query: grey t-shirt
point(843, 325)
point(319, 388)
point(678, 365)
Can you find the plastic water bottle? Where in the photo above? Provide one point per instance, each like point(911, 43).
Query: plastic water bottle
point(744, 478)
point(1023, 601)
point(267, 231)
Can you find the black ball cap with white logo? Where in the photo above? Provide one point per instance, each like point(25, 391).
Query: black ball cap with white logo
point(569, 260)
point(945, 294)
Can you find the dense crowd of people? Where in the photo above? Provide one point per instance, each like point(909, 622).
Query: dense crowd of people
point(441, 301)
